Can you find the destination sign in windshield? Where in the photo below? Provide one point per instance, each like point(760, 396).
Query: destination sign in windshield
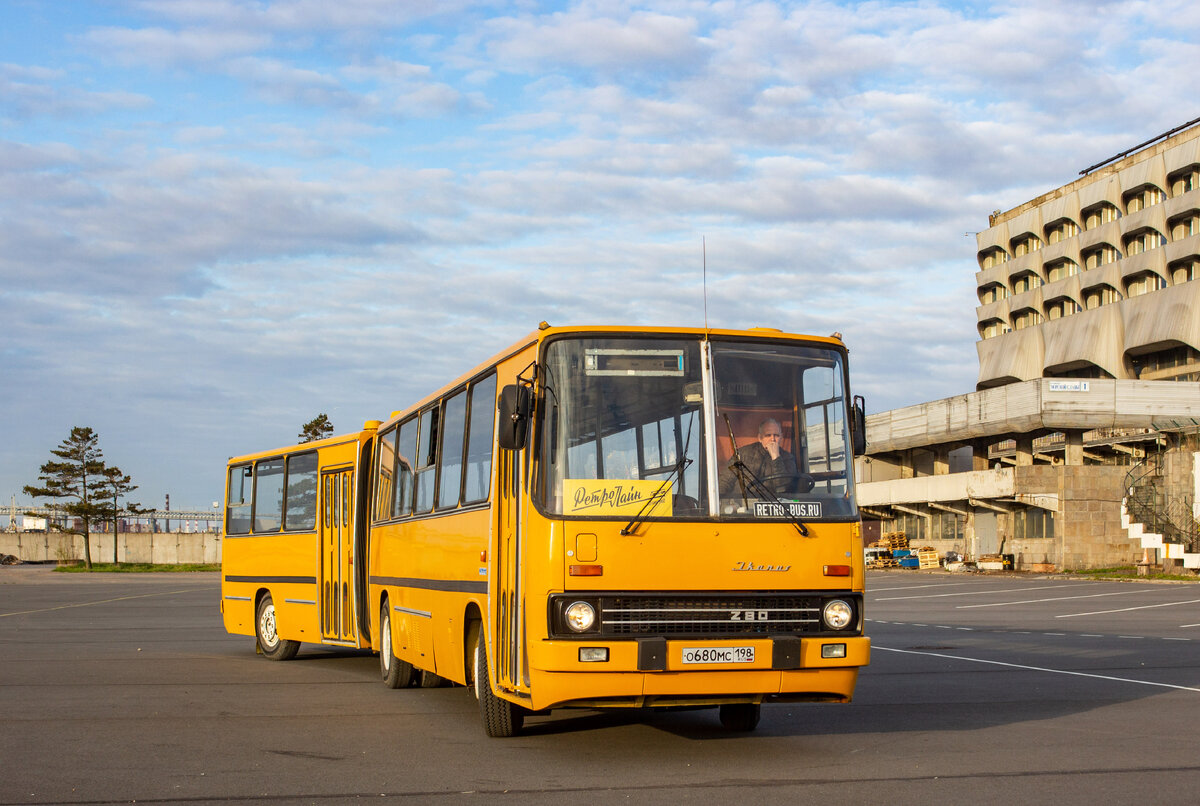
point(787, 509)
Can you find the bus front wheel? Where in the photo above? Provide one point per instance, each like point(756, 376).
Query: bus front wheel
point(501, 718)
point(396, 673)
point(265, 628)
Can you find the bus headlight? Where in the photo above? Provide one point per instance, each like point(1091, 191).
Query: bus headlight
point(837, 614)
point(579, 616)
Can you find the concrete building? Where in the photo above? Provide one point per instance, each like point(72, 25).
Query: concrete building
point(1080, 445)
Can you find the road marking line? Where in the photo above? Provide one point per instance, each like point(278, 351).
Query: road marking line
point(1028, 632)
point(101, 601)
point(979, 593)
point(918, 587)
point(1039, 669)
point(1127, 609)
point(1055, 599)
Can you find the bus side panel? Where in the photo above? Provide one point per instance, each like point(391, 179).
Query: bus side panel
point(431, 569)
point(279, 564)
point(462, 542)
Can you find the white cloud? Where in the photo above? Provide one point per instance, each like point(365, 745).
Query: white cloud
point(159, 47)
point(581, 38)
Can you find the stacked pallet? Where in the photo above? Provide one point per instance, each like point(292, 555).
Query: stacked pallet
point(927, 557)
point(889, 551)
point(882, 562)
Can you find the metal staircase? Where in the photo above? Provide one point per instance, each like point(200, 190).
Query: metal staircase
point(1157, 520)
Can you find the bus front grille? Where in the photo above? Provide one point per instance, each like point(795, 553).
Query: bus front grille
point(715, 615)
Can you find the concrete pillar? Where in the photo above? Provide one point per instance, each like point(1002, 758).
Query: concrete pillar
point(979, 456)
point(1024, 450)
point(1073, 452)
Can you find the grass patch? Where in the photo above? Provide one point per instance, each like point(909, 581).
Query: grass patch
point(134, 568)
point(1130, 572)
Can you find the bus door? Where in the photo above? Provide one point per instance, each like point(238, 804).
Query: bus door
point(507, 576)
point(337, 553)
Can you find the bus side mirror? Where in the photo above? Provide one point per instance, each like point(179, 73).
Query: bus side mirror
point(513, 410)
point(858, 425)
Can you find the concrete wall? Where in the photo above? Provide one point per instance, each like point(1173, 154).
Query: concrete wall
point(1085, 500)
point(951, 487)
point(1089, 520)
point(161, 548)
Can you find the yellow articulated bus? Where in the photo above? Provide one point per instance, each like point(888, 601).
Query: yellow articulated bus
point(596, 517)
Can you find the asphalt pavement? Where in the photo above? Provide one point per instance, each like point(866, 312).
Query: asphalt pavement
point(982, 689)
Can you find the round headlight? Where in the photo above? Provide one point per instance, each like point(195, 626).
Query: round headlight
point(580, 616)
point(837, 614)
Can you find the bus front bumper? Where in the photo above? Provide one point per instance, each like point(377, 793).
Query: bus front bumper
point(658, 672)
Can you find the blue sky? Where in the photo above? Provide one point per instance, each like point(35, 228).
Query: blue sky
point(219, 219)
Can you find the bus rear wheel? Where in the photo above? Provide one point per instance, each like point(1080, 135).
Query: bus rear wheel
point(740, 716)
point(265, 629)
point(396, 673)
point(501, 718)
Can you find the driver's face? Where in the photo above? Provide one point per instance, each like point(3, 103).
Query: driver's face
point(771, 435)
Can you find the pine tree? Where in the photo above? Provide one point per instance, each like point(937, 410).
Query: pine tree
point(317, 428)
point(78, 479)
point(116, 486)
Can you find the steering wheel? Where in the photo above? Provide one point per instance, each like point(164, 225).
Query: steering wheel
point(804, 482)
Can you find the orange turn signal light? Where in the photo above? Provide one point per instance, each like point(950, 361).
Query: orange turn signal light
point(586, 570)
point(837, 570)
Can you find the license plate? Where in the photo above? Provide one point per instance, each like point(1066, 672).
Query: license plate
point(718, 654)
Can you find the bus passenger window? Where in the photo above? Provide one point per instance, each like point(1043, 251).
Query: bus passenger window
point(479, 440)
point(268, 495)
point(406, 453)
point(424, 476)
point(301, 511)
point(385, 477)
point(237, 505)
point(454, 424)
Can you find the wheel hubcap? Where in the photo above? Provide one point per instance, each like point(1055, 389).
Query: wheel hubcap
point(268, 627)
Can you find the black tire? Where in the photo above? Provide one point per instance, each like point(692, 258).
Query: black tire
point(265, 629)
point(431, 680)
point(501, 718)
point(396, 673)
point(741, 716)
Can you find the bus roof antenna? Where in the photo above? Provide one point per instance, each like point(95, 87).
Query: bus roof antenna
point(704, 280)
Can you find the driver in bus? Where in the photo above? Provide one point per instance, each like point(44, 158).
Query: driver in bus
point(767, 460)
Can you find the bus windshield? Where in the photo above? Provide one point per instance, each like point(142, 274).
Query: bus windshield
point(640, 427)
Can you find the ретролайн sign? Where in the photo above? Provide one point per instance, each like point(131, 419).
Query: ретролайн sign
point(623, 497)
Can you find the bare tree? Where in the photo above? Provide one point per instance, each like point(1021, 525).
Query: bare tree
point(317, 428)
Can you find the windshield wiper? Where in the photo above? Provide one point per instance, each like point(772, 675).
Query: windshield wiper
point(640, 518)
point(747, 478)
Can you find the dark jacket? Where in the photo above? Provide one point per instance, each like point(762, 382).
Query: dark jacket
point(759, 462)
